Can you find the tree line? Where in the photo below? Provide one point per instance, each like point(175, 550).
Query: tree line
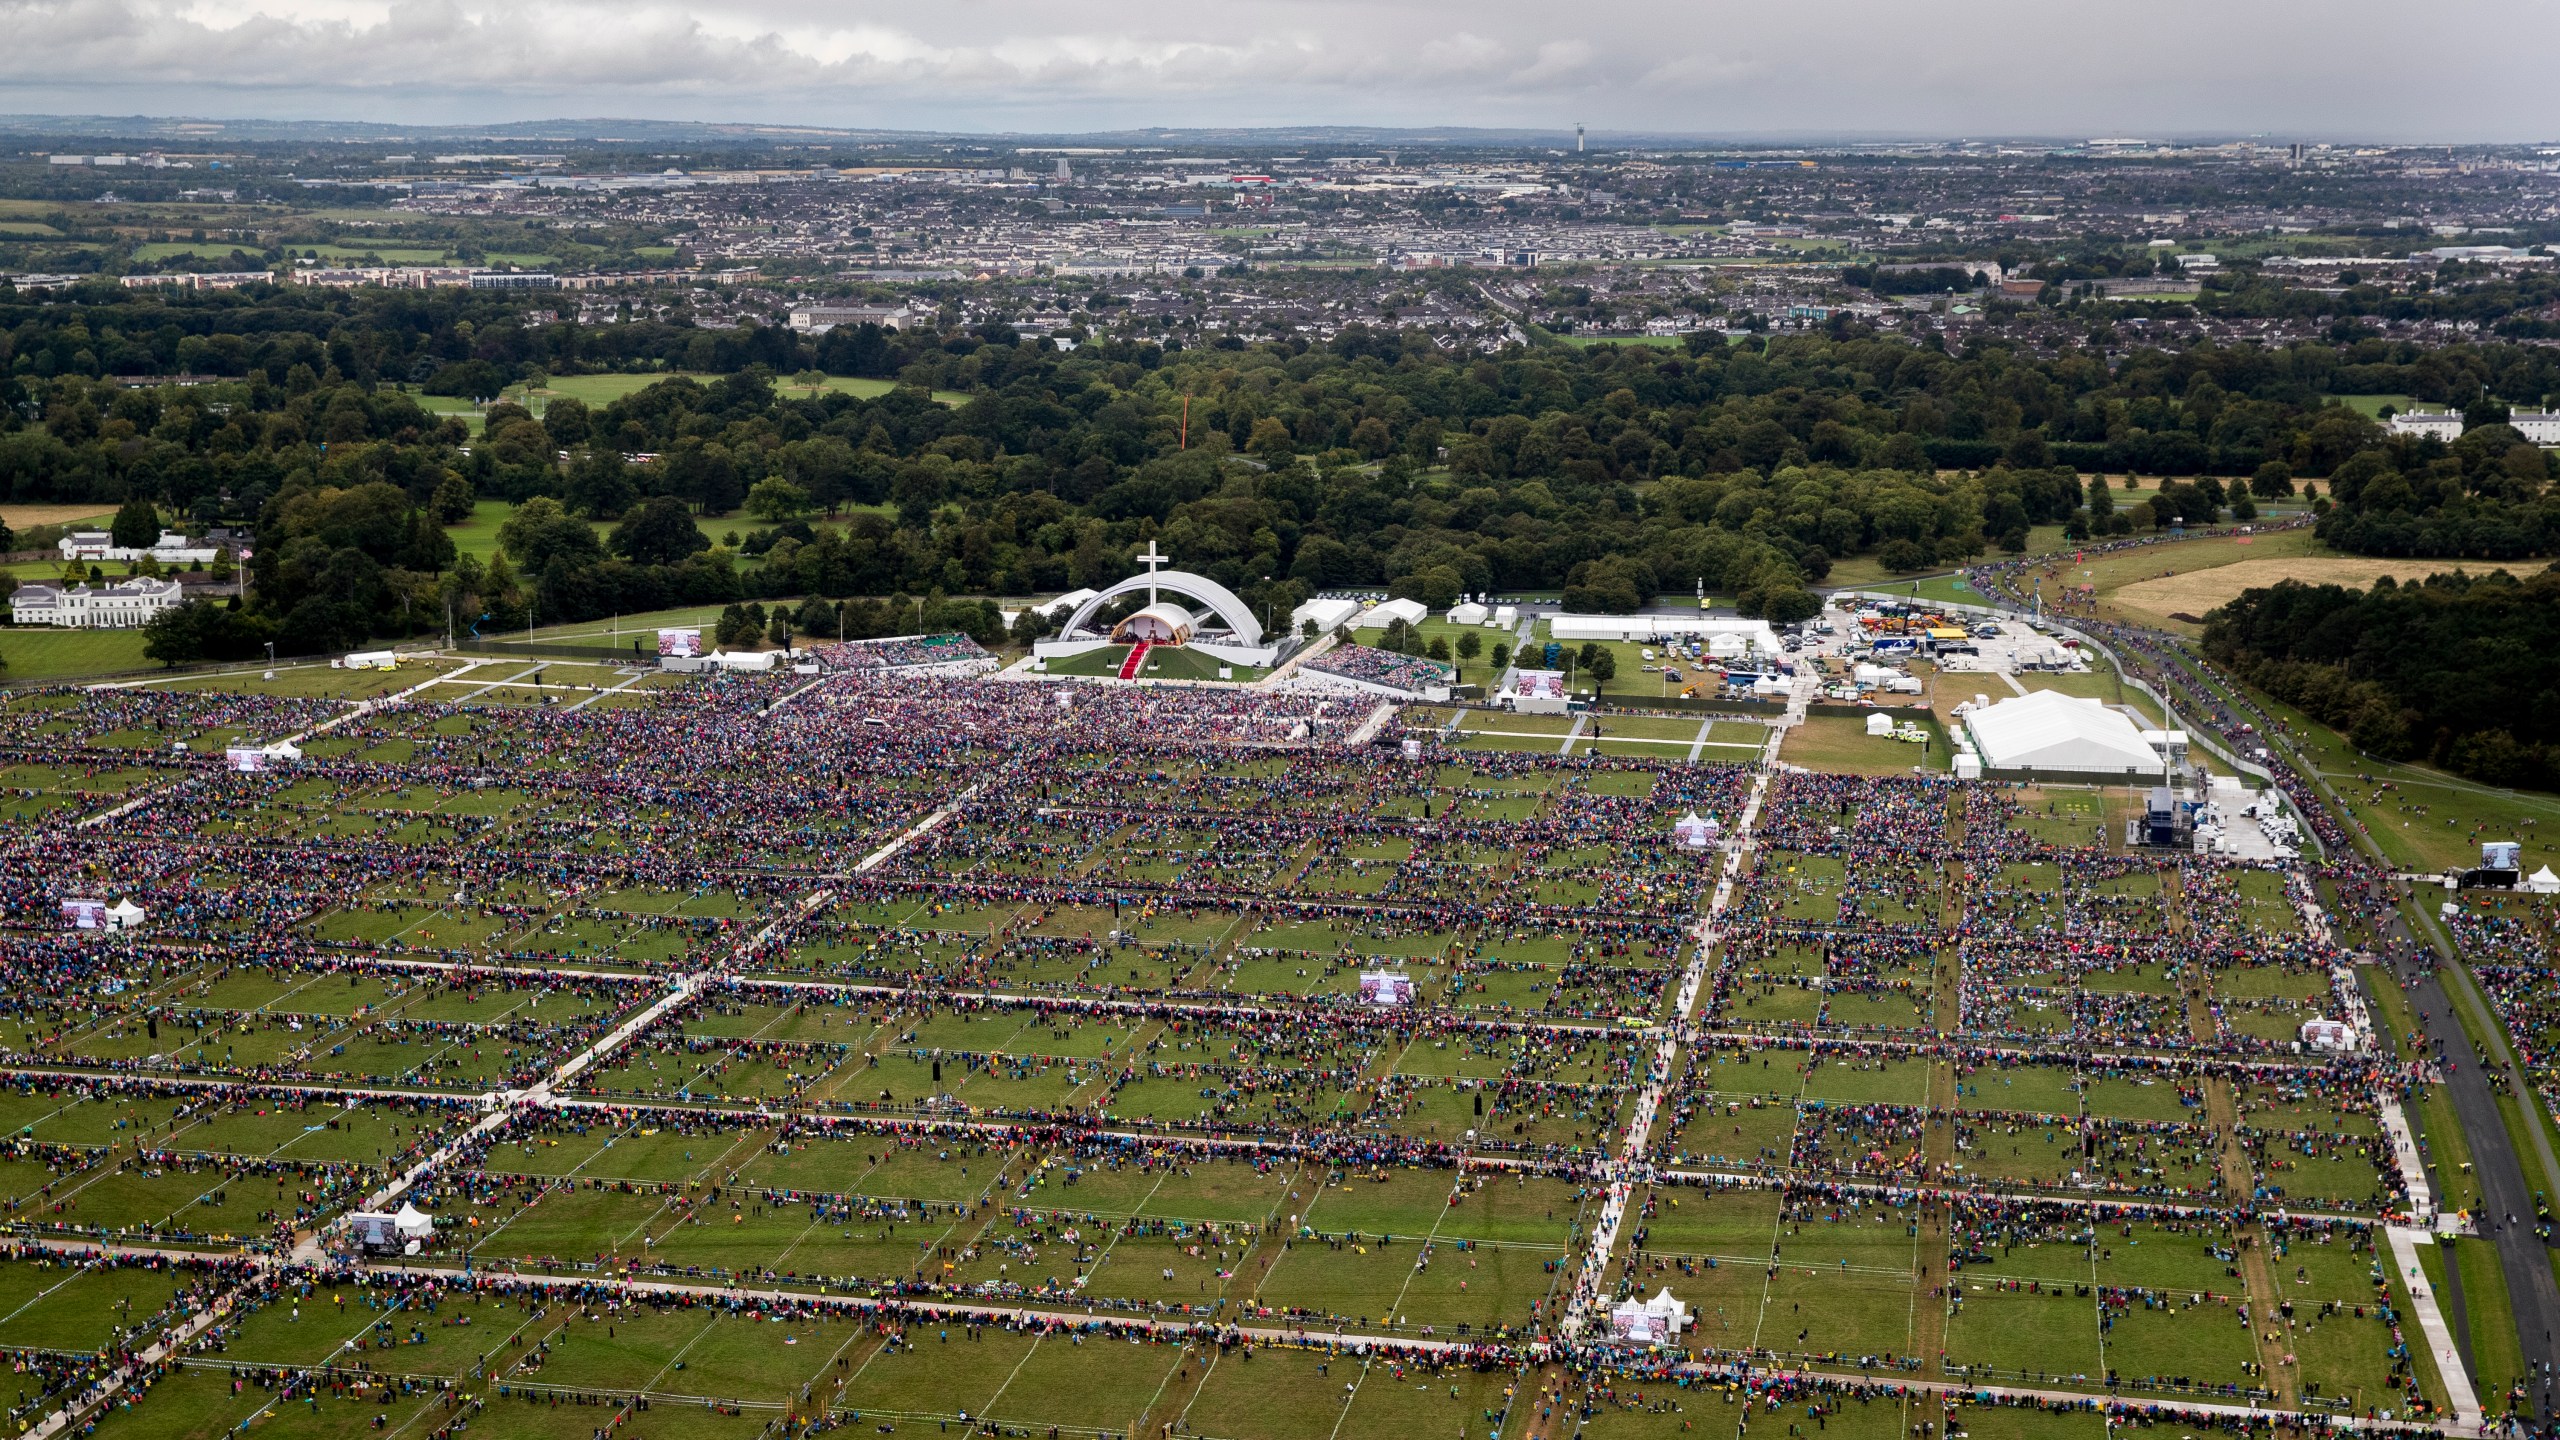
point(2453, 670)
point(1376, 461)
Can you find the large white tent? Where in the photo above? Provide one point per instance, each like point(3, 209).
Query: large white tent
point(2048, 730)
point(1329, 615)
point(1387, 612)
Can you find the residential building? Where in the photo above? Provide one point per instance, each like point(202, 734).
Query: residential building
point(819, 319)
point(122, 605)
point(172, 548)
point(2445, 425)
point(2542, 427)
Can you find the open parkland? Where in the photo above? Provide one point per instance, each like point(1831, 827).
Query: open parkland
point(894, 1053)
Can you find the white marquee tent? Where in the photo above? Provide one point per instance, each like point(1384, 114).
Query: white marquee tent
point(1329, 615)
point(1385, 613)
point(2048, 730)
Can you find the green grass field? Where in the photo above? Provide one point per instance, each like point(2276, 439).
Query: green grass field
point(1168, 662)
point(46, 654)
point(598, 390)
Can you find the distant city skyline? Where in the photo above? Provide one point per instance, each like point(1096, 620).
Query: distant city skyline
point(2362, 71)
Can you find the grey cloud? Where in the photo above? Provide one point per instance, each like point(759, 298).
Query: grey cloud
point(1986, 66)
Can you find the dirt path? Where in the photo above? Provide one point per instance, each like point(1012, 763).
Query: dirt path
point(2239, 1176)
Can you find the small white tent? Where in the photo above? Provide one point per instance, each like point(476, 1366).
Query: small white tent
point(414, 1223)
point(1694, 832)
point(123, 915)
point(1879, 723)
point(1468, 614)
point(2543, 882)
point(1657, 1321)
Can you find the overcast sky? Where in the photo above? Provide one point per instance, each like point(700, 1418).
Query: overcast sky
point(2282, 68)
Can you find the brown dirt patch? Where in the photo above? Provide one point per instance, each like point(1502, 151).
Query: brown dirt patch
point(25, 517)
point(2199, 591)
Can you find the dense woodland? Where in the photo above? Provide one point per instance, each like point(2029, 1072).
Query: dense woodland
point(1608, 475)
point(2453, 670)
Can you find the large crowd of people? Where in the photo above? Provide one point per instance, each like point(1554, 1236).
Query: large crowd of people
point(1064, 919)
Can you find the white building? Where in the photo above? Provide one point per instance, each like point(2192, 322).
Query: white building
point(819, 319)
point(172, 548)
point(120, 606)
point(1745, 634)
point(2050, 731)
point(2445, 425)
point(2542, 427)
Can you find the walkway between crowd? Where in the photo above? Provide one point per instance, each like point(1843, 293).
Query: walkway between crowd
point(1290, 666)
point(2458, 1393)
point(1622, 1172)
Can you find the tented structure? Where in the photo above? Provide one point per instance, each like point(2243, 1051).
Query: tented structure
point(1657, 1321)
point(1329, 615)
point(1064, 604)
point(2049, 731)
point(1879, 723)
point(123, 915)
point(413, 1223)
point(1468, 614)
point(1695, 832)
point(1380, 616)
point(2543, 882)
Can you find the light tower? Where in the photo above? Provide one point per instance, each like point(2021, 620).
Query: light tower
point(1577, 139)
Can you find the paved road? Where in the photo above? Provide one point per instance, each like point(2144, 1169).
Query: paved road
point(2506, 1217)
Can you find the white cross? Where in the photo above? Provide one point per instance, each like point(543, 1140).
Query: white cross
point(1152, 558)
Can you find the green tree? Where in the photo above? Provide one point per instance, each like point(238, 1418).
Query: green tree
point(1470, 645)
point(659, 532)
point(1602, 666)
point(778, 500)
point(453, 499)
point(540, 531)
point(137, 524)
point(198, 630)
